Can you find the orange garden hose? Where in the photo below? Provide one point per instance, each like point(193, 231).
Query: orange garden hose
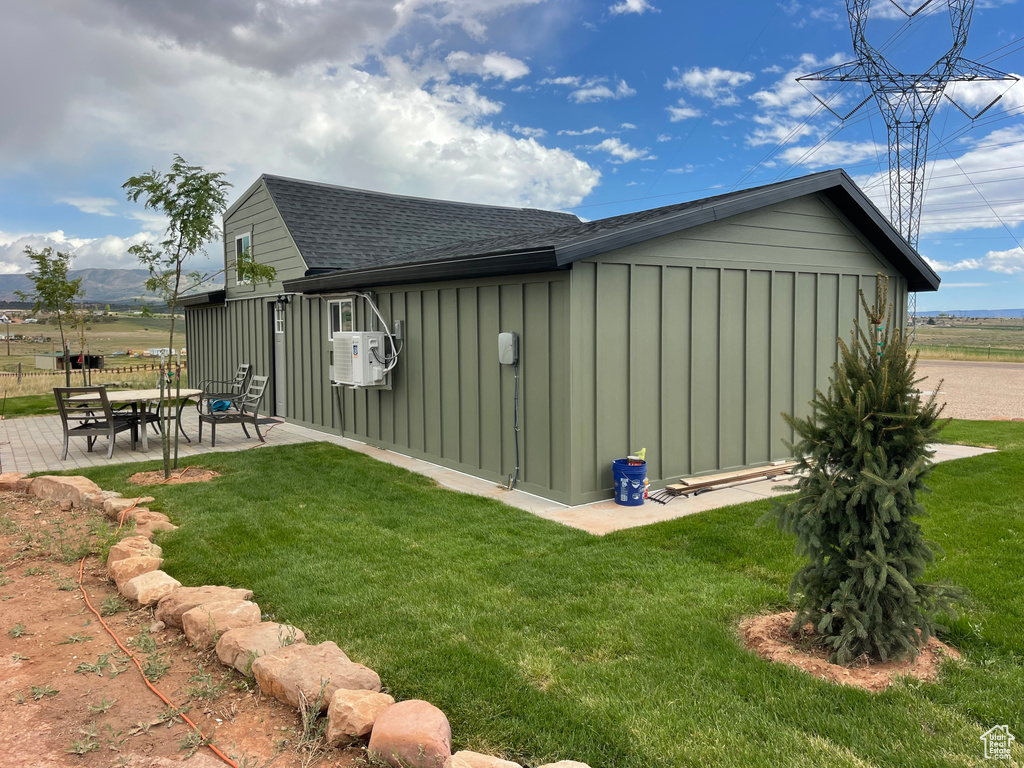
point(265, 433)
point(120, 522)
point(153, 688)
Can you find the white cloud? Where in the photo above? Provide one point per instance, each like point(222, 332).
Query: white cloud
point(487, 65)
point(682, 112)
point(101, 206)
point(1010, 262)
point(716, 84)
point(109, 252)
point(787, 105)
point(281, 36)
point(632, 6)
point(150, 221)
point(789, 96)
point(684, 169)
point(663, 137)
point(594, 93)
point(584, 132)
point(397, 129)
point(621, 151)
point(835, 153)
point(627, 127)
point(775, 129)
point(572, 80)
point(973, 97)
point(824, 14)
point(885, 9)
point(530, 133)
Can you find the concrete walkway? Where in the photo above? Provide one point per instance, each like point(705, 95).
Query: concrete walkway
point(33, 444)
point(606, 516)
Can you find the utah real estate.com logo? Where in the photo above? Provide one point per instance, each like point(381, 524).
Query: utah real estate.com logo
point(997, 742)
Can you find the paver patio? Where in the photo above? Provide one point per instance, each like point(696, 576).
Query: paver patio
point(33, 444)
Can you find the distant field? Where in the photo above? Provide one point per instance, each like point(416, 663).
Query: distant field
point(989, 339)
point(120, 334)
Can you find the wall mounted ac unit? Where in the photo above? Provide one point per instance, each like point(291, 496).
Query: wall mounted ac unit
point(358, 358)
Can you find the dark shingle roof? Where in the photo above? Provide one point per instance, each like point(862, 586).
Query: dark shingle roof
point(338, 228)
point(565, 242)
point(565, 234)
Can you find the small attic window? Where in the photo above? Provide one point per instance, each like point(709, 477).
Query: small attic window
point(341, 311)
point(243, 250)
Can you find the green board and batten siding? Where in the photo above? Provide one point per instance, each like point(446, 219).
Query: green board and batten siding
point(452, 403)
point(690, 345)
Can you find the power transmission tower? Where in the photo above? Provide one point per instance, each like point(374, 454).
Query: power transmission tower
point(907, 102)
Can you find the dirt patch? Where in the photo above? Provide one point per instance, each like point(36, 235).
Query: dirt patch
point(189, 475)
point(769, 637)
point(976, 390)
point(70, 697)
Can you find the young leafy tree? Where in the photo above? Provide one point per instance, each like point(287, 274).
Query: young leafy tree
point(53, 291)
point(192, 199)
point(865, 459)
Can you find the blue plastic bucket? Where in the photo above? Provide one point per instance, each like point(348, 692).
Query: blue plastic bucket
point(629, 482)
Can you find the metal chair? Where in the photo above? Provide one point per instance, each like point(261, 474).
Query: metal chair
point(90, 416)
point(245, 410)
point(223, 389)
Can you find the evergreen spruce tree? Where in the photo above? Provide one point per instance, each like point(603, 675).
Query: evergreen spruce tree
point(865, 460)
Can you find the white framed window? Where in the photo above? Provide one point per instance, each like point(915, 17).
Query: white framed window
point(243, 249)
point(278, 318)
point(341, 313)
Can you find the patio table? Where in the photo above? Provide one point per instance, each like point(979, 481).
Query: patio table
point(143, 397)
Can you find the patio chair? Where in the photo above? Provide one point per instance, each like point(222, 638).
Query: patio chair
point(229, 390)
point(91, 417)
point(244, 410)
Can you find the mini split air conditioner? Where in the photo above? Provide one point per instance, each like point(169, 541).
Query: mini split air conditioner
point(358, 358)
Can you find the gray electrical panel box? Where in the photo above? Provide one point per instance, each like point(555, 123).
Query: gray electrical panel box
point(508, 348)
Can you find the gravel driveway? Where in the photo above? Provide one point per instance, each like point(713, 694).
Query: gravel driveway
point(976, 390)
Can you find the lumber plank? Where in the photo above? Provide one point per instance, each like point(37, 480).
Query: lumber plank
point(687, 485)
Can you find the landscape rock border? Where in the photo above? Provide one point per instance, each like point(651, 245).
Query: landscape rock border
point(414, 728)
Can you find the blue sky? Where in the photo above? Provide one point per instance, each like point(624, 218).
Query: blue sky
point(597, 108)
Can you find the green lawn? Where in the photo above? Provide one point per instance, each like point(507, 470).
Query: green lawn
point(29, 405)
point(542, 642)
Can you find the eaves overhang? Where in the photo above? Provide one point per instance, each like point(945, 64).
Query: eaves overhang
point(210, 298)
point(484, 265)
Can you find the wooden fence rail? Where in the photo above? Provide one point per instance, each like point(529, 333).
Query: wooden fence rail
point(123, 369)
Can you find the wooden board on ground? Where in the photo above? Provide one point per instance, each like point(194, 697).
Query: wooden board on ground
point(690, 485)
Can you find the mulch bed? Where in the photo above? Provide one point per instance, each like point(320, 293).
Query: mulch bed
point(189, 475)
point(769, 637)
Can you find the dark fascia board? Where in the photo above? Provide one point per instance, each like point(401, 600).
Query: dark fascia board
point(863, 214)
point(836, 185)
point(204, 299)
point(490, 265)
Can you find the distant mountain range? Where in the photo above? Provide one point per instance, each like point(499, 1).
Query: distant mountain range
point(104, 286)
point(1014, 313)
